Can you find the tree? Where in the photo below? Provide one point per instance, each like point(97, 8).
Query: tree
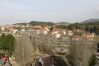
point(7, 43)
point(11, 41)
point(92, 60)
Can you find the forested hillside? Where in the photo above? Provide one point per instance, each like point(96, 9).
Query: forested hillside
point(89, 26)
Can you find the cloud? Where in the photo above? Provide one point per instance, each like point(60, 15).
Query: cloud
point(97, 10)
point(48, 10)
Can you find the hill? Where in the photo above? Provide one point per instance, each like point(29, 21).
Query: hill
point(41, 23)
point(63, 23)
point(44, 23)
point(21, 24)
point(91, 21)
point(91, 25)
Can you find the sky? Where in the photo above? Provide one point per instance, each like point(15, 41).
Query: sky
point(14, 11)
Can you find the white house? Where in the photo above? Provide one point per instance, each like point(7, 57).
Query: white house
point(15, 31)
point(70, 33)
point(58, 35)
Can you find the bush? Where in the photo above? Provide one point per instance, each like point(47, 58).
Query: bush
point(7, 43)
point(93, 60)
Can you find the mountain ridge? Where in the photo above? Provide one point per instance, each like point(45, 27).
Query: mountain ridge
point(44, 23)
point(90, 21)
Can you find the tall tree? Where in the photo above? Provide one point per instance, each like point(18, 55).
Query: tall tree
point(7, 43)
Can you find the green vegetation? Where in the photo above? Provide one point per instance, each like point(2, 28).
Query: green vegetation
point(7, 44)
point(93, 60)
point(90, 26)
point(21, 24)
point(41, 23)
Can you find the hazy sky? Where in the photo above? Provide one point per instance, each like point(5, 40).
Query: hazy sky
point(12, 11)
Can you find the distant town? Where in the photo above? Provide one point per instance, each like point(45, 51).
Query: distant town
point(56, 44)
